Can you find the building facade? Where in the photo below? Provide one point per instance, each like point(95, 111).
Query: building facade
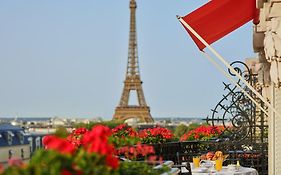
point(14, 144)
point(267, 43)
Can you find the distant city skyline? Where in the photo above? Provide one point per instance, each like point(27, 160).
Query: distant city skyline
point(68, 58)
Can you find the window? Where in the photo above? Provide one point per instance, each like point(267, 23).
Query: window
point(20, 135)
point(38, 142)
point(9, 138)
point(22, 153)
point(11, 153)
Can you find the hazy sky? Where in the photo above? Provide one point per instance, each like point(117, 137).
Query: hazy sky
point(68, 58)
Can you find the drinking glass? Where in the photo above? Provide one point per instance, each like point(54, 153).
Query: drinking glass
point(196, 161)
point(218, 164)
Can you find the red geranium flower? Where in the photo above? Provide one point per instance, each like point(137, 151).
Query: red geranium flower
point(59, 144)
point(124, 130)
point(155, 135)
point(65, 172)
point(1, 168)
point(203, 133)
point(112, 161)
point(76, 136)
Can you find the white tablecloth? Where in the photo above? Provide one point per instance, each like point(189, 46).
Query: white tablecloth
point(226, 171)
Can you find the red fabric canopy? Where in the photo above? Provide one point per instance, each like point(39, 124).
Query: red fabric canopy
point(217, 18)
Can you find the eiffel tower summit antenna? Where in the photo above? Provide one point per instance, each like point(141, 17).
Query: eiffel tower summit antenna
point(132, 81)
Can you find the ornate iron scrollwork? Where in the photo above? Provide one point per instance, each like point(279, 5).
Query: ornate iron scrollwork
point(235, 111)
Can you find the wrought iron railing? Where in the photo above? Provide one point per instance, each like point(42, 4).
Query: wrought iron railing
point(248, 155)
point(245, 129)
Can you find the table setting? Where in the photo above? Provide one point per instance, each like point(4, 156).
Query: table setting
point(212, 164)
point(225, 170)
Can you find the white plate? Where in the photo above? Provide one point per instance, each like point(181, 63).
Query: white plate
point(232, 170)
point(212, 170)
point(199, 170)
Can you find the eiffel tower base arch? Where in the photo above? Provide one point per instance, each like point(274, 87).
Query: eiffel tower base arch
point(141, 113)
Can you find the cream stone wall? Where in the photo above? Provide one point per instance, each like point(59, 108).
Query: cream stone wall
point(275, 134)
point(267, 42)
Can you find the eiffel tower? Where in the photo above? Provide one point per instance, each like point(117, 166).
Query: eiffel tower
point(132, 82)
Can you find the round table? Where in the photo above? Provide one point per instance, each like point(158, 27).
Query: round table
point(225, 171)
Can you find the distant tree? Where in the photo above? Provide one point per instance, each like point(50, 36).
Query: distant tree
point(168, 120)
point(80, 125)
point(193, 126)
point(110, 124)
point(61, 132)
point(180, 130)
point(170, 127)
